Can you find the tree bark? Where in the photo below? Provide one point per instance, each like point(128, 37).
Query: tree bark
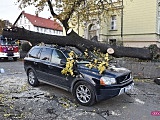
point(73, 39)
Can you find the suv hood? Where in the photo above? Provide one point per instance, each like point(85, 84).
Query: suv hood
point(110, 71)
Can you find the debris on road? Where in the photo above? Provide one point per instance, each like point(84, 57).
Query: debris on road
point(2, 70)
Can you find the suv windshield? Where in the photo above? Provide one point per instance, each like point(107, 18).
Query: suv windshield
point(79, 54)
point(68, 49)
point(7, 42)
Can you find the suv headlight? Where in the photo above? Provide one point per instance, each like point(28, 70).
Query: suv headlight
point(107, 80)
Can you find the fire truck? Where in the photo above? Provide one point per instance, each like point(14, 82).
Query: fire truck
point(9, 49)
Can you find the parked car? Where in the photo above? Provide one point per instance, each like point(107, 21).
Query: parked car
point(44, 63)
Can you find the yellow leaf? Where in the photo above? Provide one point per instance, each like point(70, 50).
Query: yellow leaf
point(6, 115)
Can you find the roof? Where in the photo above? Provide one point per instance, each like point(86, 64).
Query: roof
point(42, 22)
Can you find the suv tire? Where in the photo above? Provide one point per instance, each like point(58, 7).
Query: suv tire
point(32, 79)
point(84, 93)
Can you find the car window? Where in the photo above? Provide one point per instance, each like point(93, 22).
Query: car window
point(76, 51)
point(34, 53)
point(46, 54)
point(57, 56)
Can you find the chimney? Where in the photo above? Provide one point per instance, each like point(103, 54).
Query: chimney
point(49, 18)
point(36, 14)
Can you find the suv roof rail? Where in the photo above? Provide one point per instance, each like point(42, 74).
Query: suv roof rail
point(49, 45)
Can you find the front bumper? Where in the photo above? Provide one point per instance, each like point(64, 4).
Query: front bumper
point(107, 93)
point(5, 55)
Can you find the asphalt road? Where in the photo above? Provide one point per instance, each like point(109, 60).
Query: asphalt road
point(18, 100)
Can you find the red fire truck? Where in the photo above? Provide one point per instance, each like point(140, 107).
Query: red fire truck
point(8, 49)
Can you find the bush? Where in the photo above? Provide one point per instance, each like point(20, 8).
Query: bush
point(155, 51)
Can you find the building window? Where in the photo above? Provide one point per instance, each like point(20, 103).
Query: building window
point(37, 29)
point(158, 13)
point(114, 0)
point(158, 26)
point(158, 9)
point(92, 31)
point(113, 22)
point(20, 21)
point(25, 20)
point(112, 41)
point(28, 27)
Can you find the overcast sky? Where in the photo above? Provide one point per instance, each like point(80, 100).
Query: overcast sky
point(10, 11)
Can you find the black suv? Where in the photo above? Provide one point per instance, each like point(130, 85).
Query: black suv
point(44, 63)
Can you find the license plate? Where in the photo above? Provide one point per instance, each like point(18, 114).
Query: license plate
point(129, 88)
point(9, 57)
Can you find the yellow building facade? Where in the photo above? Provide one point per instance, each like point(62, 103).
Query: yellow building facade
point(136, 25)
point(141, 23)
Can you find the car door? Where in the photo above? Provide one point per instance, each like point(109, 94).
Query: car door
point(32, 59)
point(55, 68)
point(45, 57)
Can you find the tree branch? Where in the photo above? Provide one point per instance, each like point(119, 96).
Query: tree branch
point(51, 9)
point(70, 13)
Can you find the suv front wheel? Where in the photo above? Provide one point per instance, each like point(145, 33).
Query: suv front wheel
point(84, 93)
point(32, 79)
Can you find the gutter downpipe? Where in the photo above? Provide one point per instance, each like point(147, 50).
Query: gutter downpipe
point(122, 22)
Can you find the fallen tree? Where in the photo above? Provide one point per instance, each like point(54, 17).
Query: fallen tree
point(74, 39)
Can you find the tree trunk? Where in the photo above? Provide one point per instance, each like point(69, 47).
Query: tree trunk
point(73, 39)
